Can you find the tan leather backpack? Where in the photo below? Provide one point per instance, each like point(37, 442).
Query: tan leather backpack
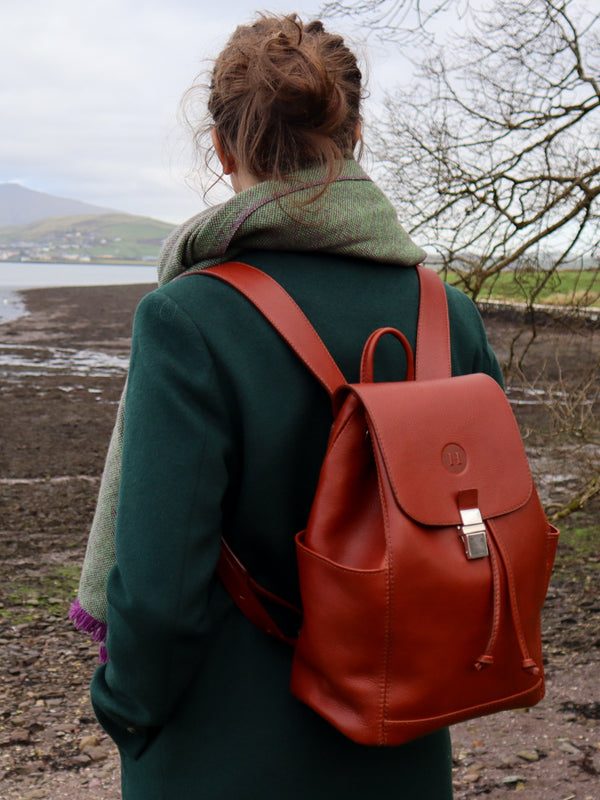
point(426, 559)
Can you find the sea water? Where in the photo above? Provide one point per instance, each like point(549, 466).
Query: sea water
point(15, 276)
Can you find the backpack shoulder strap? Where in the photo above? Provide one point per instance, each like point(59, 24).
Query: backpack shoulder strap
point(433, 357)
point(276, 305)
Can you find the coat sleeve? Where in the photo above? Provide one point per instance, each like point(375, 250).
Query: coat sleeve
point(471, 351)
point(174, 478)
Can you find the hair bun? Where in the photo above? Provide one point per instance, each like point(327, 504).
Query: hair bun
point(295, 87)
point(286, 96)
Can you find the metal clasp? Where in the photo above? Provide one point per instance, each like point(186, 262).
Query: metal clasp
point(473, 533)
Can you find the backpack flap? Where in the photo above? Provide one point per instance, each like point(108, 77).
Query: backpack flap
point(439, 439)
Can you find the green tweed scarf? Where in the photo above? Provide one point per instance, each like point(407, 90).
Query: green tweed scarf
point(351, 217)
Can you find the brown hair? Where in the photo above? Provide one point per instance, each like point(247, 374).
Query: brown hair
point(284, 96)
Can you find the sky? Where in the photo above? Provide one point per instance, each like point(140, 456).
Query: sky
point(89, 95)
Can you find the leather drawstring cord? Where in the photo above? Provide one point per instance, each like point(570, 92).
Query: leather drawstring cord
point(498, 554)
point(487, 658)
point(528, 663)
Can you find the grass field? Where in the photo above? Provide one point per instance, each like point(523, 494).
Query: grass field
point(564, 287)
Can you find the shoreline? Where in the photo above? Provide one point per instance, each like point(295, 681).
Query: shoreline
point(12, 304)
point(81, 316)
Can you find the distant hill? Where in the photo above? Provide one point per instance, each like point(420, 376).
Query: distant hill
point(19, 206)
point(84, 238)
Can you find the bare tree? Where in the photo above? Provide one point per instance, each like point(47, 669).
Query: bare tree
point(494, 151)
point(405, 21)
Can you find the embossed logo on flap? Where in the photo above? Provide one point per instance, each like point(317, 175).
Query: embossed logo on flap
point(454, 458)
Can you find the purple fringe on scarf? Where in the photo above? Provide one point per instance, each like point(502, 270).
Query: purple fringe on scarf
point(85, 622)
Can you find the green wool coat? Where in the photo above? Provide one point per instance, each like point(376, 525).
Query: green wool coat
point(225, 431)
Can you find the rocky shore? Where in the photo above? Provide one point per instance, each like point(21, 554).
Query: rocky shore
point(62, 368)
